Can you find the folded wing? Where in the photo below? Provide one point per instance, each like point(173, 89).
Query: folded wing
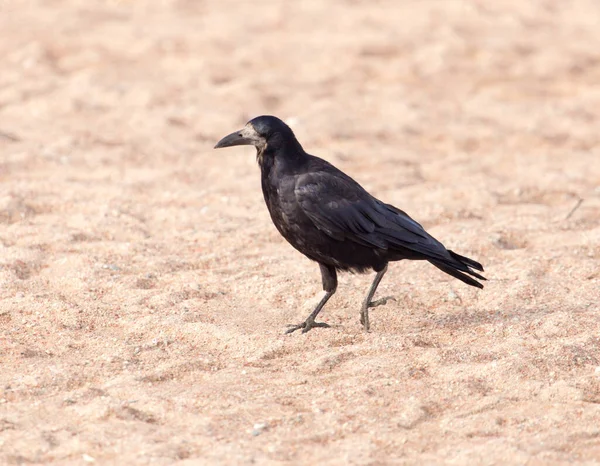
point(342, 209)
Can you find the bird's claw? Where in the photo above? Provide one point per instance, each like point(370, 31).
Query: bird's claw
point(306, 326)
point(382, 301)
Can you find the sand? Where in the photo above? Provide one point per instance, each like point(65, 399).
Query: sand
point(144, 291)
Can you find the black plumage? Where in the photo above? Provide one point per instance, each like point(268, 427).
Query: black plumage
point(331, 219)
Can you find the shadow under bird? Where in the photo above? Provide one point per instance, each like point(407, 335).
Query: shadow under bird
point(333, 220)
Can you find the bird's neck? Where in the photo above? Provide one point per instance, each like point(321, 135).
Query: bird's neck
point(287, 154)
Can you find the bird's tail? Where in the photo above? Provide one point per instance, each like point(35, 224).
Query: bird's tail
point(469, 262)
point(460, 267)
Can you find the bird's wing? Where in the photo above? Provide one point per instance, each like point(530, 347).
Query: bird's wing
point(342, 209)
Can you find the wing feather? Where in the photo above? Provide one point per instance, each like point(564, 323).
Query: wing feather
point(341, 208)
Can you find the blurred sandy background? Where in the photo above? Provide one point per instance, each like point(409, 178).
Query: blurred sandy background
point(144, 290)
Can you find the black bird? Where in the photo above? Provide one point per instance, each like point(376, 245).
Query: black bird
point(331, 219)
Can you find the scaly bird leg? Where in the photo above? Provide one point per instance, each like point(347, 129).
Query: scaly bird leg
point(329, 278)
point(310, 320)
point(364, 311)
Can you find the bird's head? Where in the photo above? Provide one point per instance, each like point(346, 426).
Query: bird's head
point(266, 133)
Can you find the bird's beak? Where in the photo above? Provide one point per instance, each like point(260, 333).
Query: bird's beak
point(235, 139)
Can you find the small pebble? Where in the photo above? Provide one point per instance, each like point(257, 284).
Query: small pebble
point(259, 428)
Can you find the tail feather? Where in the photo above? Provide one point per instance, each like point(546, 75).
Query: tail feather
point(465, 260)
point(463, 277)
point(460, 267)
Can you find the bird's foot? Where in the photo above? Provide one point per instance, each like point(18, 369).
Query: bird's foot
point(364, 312)
point(382, 301)
point(306, 326)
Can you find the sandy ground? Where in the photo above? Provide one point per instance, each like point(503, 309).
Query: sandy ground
point(144, 290)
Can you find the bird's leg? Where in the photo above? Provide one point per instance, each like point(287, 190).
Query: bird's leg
point(329, 277)
point(310, 320)
point(364, 311)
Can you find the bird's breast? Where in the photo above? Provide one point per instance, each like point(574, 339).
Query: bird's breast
point(285, 211)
